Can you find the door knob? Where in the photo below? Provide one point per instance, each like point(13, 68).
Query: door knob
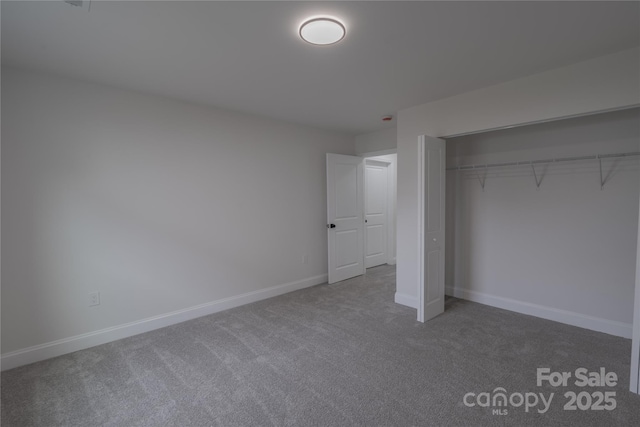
point(331, 226)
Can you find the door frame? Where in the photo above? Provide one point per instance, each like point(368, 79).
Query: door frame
point(389, 200)
point(391, 196)
point(393, 200)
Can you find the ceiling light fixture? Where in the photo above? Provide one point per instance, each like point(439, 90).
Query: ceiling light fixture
point(322, 31)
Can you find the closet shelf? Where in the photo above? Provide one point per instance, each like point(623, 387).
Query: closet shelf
point(545, 161)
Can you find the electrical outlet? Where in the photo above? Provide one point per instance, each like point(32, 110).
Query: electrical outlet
point(94, 298)
point(305, 259)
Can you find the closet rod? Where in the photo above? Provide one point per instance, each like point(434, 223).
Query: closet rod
point(538, 162)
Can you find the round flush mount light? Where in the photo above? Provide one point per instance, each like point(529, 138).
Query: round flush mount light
point(322, 31)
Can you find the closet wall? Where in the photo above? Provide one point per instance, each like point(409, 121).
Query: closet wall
point(564, 251)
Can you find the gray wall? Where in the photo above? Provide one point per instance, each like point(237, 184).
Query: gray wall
point(159, 205)
point(568, 246)
point(382, 140)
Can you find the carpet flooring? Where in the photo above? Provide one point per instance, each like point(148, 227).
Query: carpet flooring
point(330, 355)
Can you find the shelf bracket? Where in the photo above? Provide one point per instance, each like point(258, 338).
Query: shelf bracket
point(602, 180)
point(535, 176)
point(483, 180)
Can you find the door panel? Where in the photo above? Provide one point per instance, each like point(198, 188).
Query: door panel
point(434, 195)
point(375, 241)
point(345, 210)
point(433, 273)
point(347, 243)
point(432, 204)
point(346, 186)
point(376, 174)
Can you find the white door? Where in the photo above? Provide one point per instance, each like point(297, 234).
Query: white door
point(432, 202)
point(376, 185)
point(345, 216)
point(634, 382)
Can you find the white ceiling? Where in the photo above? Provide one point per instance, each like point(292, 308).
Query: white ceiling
point(246, 56)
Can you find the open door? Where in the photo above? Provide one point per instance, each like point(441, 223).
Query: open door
point(431, 197)
point(345, 216)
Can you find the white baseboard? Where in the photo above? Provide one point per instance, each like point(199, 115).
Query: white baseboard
point(103, 336)
point(611, 327)
point(405, 299)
